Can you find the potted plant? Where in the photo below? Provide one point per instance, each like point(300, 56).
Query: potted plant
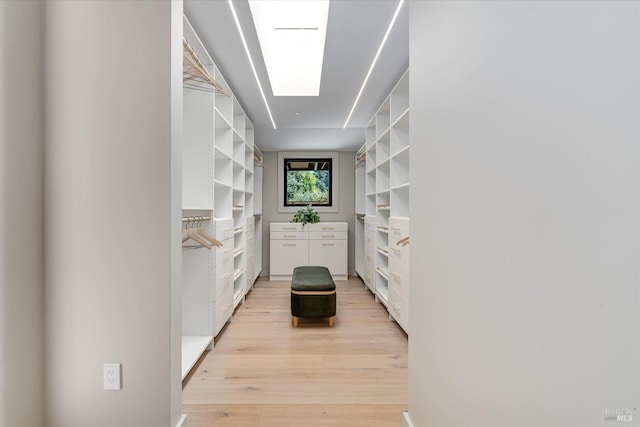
point(306, 216)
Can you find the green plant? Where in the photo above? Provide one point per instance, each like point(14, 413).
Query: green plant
point(306, 216)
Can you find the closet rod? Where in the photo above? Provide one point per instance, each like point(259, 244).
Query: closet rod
point(196, 219)
point(259, 160)
point(191, 59)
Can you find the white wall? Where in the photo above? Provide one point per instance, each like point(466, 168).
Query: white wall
point(21, 215)
point(111, 216)
point(346, 203)
point(525, 213)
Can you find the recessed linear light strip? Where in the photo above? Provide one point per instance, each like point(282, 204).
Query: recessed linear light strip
point(375, 59)
point(255, 73)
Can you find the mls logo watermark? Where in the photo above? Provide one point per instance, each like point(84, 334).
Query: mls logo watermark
point(619, 414)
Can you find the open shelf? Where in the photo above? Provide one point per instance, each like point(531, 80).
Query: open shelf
point(400, 134)
point(383, 119)
point(192, 348)
point(399, 98)
point(383, 294)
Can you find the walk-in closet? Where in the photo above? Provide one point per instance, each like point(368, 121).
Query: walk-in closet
point(363, 213)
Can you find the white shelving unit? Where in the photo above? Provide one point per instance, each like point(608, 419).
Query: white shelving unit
point(218, 183)
point(382, 196)
point(257, 211)
point(361, 210)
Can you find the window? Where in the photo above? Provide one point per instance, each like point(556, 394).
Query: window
point(308, 181)
point(313, 157)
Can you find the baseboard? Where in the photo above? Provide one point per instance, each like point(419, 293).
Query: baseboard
point(407, 420)
point(182, 422)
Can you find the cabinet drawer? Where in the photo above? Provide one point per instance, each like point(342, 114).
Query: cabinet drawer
point(399, 277)
point(329, 226)
point(289, 235)
point(286, 226)
point(330, 254)
point(370, 223)
point(223, 270)
point(224, 310)
point(328, 235)
point(224, 257)
point(399, 308)
point(398, 229)
point(369, 278)
point(223, 229)
point(224, 281)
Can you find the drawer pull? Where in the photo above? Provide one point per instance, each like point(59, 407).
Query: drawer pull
point(328, 244)
point(289, 244)
point(288, 228)
point(328, 235)
point(396, 275)
point(328, 228)
point(289, 236)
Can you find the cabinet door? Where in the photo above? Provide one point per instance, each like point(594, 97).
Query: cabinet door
point(286, 255)
point(331, 254)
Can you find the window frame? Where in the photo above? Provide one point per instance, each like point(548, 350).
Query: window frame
point(311, 155)
point(306, 159)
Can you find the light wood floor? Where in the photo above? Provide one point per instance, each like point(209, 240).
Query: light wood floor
point(264, 373)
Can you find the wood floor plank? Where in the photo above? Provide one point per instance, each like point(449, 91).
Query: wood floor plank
point(331, 415)
point(223, 415)
point(265, 373)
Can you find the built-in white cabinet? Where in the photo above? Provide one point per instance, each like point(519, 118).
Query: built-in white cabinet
point(369, 252)
point(218, 196)
point(382, 196)
point(250, 251)
point(323, 243)
point(399, 271)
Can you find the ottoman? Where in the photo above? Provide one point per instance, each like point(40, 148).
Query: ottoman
point(313, 294)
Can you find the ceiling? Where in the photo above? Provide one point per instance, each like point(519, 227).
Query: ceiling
point(354, 32)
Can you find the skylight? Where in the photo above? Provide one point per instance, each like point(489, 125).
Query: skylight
point(292, 36)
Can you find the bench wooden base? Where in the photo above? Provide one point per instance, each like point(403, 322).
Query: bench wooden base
point(296, 318)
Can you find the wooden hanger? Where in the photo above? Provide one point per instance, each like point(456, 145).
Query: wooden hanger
point(193, 234)
point(195, 69)
point(202, 232)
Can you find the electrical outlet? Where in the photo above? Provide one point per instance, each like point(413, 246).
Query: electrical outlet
point(111, 373)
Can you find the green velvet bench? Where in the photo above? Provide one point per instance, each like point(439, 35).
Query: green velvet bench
point(313, 294)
